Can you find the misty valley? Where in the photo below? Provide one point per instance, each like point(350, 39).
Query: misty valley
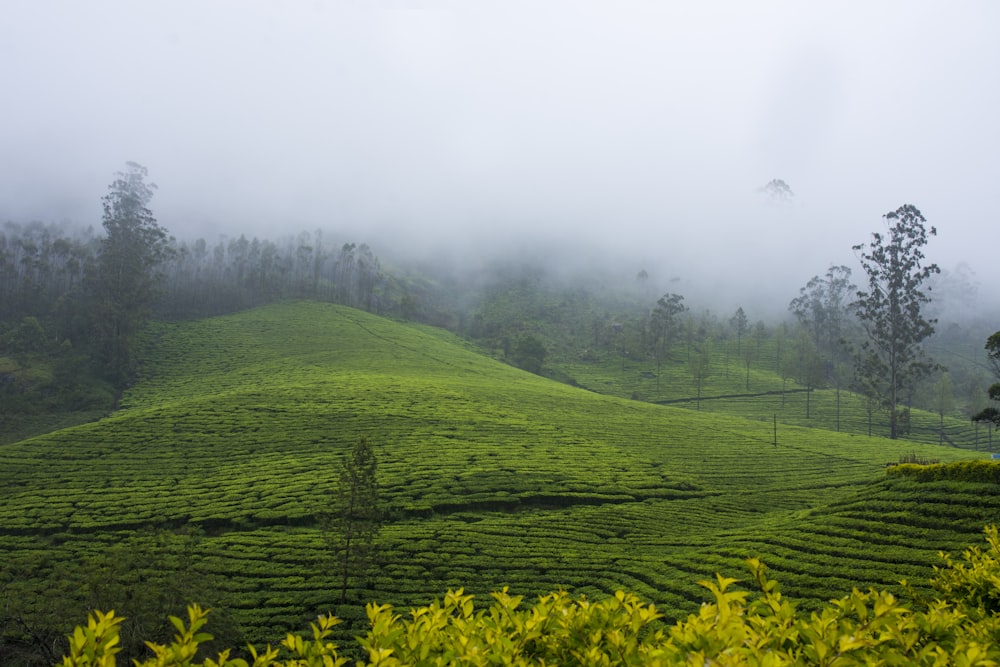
point(281, 428)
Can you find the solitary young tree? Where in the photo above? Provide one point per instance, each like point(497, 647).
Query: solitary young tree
point(700, 367)
point(354, 518)
point(890, 310)
point(808, 366)
point(749, 355)
point(944, 400)
point(740, 325)
point(126, 278)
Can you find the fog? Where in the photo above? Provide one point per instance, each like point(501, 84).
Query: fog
point(644, 129)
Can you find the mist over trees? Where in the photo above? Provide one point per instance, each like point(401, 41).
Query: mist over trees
point(777, 191)
point(46, 266)
point(79, 299)
point(74, 303)
point(237, 273)
point(80, 283)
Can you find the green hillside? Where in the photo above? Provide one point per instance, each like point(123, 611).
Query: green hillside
point(492, 477)
point(762, 394)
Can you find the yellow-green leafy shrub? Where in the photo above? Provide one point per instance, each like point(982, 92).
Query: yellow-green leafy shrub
point(960, 627)
point(984, 471)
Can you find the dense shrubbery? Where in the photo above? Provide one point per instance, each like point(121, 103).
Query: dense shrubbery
point(963, 471)
point(960, 626)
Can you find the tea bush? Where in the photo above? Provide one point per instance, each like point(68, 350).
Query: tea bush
point(982, 471)
point(960, 625)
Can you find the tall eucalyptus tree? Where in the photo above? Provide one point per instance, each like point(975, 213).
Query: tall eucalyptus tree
point(740, 325)
point(666, 324)
point(126, 280)
point(891, 357)
point(992, 414)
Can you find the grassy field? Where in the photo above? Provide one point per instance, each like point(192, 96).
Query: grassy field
point(492, 477)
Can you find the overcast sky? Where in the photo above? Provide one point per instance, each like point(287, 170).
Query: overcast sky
point(648, 126)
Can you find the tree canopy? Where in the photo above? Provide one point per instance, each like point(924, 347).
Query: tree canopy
point(992, 414)
point(126, 275)
point(891, 357)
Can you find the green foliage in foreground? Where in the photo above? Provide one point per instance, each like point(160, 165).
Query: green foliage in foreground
point(959, 627)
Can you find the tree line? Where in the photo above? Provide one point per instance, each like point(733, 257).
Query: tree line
point(238, 273)
point(44, 265)
point(871, 339)
point(81, 298)
point(75, 289)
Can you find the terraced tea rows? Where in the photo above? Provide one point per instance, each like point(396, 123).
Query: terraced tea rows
point(767, 398)
point(879, 535)
point(491, 476)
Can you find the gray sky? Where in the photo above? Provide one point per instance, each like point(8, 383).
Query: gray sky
point(647, 126)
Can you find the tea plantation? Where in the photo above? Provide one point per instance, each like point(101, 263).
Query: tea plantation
point(491, 476)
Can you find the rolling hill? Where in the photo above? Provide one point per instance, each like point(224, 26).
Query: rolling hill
point(491, 476)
